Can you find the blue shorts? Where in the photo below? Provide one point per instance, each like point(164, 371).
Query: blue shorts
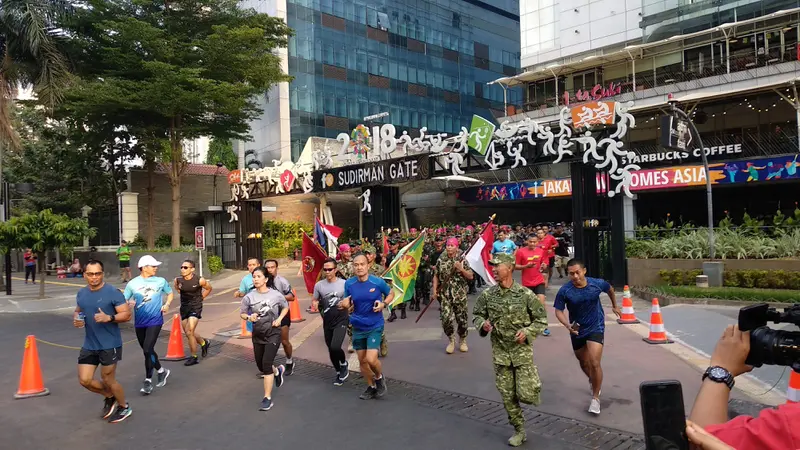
point(367, 340)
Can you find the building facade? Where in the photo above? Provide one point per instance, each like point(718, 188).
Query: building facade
point(424, 62)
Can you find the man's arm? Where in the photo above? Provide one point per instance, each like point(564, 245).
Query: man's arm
point(538, 317)
point(479, 312)
point(207, 288)
point(123, 312)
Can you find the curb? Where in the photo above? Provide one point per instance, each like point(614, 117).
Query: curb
point(666, 300)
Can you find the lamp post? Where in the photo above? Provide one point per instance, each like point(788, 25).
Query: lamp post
point(710, 205)
point(22, 188)
point(216, 172)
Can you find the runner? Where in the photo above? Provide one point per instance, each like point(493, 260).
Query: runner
point(328, 294)
point(503, 244)
point(582, 298)
point(193, 290)
point(30, 265)
point(531, 261)
point(124, 257)
point(145, 294)
point(549, 244)
point(265, 308)
point(100, 308)
point(369, 295)
point(377, 270)
point(282, 285)
point(247, 285)
point(562, 251)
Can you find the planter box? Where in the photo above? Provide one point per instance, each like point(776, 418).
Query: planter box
point(169, 268)
point(644, 272)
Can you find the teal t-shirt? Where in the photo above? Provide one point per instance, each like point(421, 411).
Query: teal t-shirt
point(149, 296)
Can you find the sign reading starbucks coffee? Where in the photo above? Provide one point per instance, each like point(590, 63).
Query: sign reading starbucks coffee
point(392, 171)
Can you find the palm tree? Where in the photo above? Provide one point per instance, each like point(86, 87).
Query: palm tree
point(30, 55)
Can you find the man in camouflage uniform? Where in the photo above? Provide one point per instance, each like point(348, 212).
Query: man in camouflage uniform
point(377, 270)
point(422, 287)
point(514, 317)
point(450, 287)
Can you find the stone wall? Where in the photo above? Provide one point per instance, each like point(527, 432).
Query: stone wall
point(169, 268)
point(197, 193)
point(644, 272)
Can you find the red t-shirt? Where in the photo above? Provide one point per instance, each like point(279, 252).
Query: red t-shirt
point(533, 276)
point(774, 429)
point(550, 243)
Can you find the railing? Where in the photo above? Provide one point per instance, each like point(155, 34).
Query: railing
point(753, 144)
point(106, 220)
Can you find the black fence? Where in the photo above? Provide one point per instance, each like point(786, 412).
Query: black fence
point(106, 220)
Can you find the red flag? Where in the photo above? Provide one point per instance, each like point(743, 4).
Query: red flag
point(313, 258)
point(480, 253)
point(385, 246)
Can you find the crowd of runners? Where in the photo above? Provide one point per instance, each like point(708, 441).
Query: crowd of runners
point(351, 298)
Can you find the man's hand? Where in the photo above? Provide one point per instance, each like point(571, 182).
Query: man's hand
point(101, 317)
point(253, 317)
point(434, 296)
point(378, 307)
point(77, 323)
point(315, 305)
point(459, 266)
point(487, 326)
point(731, 351)
point(616, 311)
point(520, 337)
point(276, 323)
point(702, 440)
point(573, 330)
point(237, 294)
point(164, 308)
point(529, 265)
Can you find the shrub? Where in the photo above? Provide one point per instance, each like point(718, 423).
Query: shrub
point(275, 253)
point(215, 264)
point(762, 279)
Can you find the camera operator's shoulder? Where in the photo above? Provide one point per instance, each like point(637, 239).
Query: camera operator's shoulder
point(773, 429)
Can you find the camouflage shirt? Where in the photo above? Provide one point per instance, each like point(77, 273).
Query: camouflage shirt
point(510, 310)
point(377, 270)
point(346, 269)
point(451, 281)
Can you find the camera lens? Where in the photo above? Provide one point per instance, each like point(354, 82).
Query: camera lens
point(774, 347)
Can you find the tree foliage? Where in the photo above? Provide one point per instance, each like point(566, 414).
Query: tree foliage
point(41, 232)
point(221, 152)
point(181, 70)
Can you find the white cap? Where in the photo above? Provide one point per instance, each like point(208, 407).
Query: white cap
point(148, 260)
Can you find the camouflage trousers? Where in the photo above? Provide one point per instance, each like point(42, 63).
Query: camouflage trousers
point(517, 385)
point(453, 308)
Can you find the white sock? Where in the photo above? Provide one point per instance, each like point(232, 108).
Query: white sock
point(161, 370)
point(148, 379)
point(288, 360)
point(343, 363)
point(378, 378)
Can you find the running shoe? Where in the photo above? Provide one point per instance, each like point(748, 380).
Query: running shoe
point(162, 378)
point(546, 332)
point(109, 406)
point(279, 376)
point(368, 394)
point(204, 348)
point(594, 406)
point(121, 414)
point(191, 361)
point(266, 404)
point(290, 368)
point(147, 387)
point(337, 380)
point(344, 371)
point(380, 387)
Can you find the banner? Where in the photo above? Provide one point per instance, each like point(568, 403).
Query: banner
point(313, 258)
point(732, 172)
point(404, 269)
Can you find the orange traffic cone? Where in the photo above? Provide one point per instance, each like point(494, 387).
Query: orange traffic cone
point(628, 316)
point(793, 393)
point(30, 379)
point(246, 333)
point(294, 309)
point(658, 334)
point(175, 347)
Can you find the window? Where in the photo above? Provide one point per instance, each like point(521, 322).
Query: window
point(457, 20)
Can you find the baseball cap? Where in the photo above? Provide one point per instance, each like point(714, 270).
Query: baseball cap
point(502, 258)
point(148, 260)
point(368, 248)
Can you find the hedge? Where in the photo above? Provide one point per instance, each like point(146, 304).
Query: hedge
point(764, 279)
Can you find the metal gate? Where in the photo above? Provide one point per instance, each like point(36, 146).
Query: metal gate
point(240, 239)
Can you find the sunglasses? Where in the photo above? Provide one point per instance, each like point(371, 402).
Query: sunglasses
point(93, 274)
point(185, 267)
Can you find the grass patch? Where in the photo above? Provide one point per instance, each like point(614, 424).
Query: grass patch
point(730, 293)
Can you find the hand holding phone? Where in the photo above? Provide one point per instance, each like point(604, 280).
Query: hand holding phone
point(663, 415)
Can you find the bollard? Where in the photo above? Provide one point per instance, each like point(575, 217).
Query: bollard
point(701, 281)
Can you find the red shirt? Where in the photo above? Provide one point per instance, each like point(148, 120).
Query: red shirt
point(774, 429)
point(550, 243)
point(533, 276)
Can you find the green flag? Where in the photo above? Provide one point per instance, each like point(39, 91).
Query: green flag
point(480, 134)
point(402, 272)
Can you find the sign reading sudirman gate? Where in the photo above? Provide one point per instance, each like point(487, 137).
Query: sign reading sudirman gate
point(390, 171)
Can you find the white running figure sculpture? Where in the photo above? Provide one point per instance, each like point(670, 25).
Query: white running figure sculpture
point(365, 197)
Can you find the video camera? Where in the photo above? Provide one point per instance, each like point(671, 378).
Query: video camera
point(768, 346)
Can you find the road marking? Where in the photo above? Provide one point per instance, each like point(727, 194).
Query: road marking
point(298, 339)
point(57, 283)
point(750, 385)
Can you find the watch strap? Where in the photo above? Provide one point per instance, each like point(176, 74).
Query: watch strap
point(727, 380)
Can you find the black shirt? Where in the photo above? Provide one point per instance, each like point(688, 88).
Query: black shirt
point(564, 241)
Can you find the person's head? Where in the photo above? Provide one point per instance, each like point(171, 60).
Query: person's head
point(369, 252)
point(576, 270)
point(532, 241)
point(346, 251)
point(361, 265)
point(28, 250)
point(438, 244)
point(546, 228)
point(395, 245)
point(272, 267)
point(252, 263)
point(541, 233)
point(501, 235)
point(502, 266)
point(94, 274)
point(261, 277)
point(187, 267)
point(76, 261)
point(123, 243)
point(148, 265)
point(559, 229)
point(329, 268)
point(452, 246)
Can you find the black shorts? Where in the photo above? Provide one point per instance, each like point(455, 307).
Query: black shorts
point(107, 357)
point(124, 264)
point(287, 321)
point(551, 262)
point(579, 343)
point(539, 289)
point(191, 311)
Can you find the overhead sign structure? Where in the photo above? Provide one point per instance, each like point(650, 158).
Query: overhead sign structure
point(390, 171)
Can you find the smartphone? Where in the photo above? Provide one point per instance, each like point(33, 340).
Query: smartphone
point(663, 415)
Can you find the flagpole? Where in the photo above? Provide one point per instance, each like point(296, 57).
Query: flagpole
point(478, 235)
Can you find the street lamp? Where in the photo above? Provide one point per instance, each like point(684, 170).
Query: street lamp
point(710, 205)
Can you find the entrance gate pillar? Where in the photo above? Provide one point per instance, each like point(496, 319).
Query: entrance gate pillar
point(386, 210)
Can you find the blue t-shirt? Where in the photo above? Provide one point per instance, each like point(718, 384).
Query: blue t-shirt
point(247, 284)
point(148, 294)
point(363, 295)
point(584, 305)
point(100, 336)
point(508, 246)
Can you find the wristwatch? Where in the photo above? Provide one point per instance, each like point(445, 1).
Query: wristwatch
point(718, 374)
point(113, 318)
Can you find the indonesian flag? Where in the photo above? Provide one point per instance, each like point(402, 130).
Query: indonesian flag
point(480, 253)
point(313, 258)
point(325, 233)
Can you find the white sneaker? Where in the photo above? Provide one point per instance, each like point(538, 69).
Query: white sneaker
point(594, 407)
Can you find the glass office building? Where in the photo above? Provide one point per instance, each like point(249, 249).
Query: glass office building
point(424, 62)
